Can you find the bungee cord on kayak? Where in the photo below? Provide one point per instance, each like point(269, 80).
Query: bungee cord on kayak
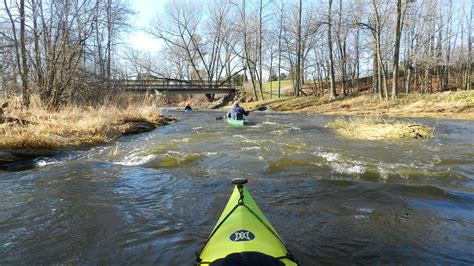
point(244, 235)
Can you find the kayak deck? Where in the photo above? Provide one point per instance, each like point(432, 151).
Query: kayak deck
point(243, 231)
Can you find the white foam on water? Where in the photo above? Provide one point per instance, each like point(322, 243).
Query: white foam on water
point(250, 148)
point(360, 217)
point(136, 159)
point(295, 145)
point(239, 136)
point(365, 210)
point(329, 156)
point(383, 171)
point(94, 151)
point(40, 162)
point(362, 213)
point(275, 132)
point(345, 168)
point(269, 123)
point(254, 141)
point(399, 169)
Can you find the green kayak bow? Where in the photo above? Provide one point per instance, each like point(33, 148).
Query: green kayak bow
point(243, 235)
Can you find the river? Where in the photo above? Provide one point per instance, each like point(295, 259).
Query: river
point(153, 198)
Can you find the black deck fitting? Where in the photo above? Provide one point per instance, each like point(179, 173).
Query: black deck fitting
point(239, 182)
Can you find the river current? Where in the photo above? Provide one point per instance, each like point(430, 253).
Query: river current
point(153, 198)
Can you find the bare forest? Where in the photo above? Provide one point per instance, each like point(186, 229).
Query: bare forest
point(73, 52)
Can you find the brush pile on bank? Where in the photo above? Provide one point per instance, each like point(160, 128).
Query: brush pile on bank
point(378, 128)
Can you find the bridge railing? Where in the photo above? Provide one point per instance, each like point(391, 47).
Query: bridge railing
point(179, 84)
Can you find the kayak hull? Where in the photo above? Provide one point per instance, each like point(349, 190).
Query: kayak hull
point(235, 122)
point(243, 229)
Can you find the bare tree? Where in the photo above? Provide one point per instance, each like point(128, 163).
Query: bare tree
point(377, 32)
point(298, 52)
point(468, 65)
point(396, 47)
point(332, 89)
point(341, 38)
point(21, 55)
point(180, 28)
point(259, 41)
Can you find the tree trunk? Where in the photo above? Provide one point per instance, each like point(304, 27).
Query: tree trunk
point(20, 60)
point(341, 43)
point(24, 56)
point(332, 89)
point(271, 72)
point(382, 80)
point(280, 35)
point(260, 39)
point(375, 74)
point(357, 60)
point(37, 48)
point(469, 53)
point(407, 80)
point(247, 61)
point(298, 54)
point(109, 38)
point(396, 49)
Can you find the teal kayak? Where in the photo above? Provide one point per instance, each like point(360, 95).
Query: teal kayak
point(243, 235)
point(235, 122)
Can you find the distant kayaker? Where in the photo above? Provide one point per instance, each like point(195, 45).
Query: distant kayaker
point(237, 112)
point(188, 108)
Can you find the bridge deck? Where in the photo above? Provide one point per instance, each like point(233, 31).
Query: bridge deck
point(177, 87)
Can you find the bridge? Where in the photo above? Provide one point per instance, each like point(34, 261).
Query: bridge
point(171, 86)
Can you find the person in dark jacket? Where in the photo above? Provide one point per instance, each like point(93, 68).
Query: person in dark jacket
point(237, 112)
point(188, 108)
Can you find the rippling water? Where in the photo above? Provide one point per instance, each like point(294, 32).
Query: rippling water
point(154, 198)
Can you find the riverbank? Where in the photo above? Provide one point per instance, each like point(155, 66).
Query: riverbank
point(451, 105)
point(38, 132)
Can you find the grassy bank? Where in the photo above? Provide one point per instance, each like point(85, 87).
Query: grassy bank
point(37, 128)
point(378, 128)
point(453, 105)
point(286, 88)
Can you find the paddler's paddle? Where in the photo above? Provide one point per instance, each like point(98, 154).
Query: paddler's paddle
point(261, 108)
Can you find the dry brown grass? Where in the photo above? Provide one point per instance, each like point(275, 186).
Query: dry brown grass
point(454, 105)
point(73, 126)
point(378, 128)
